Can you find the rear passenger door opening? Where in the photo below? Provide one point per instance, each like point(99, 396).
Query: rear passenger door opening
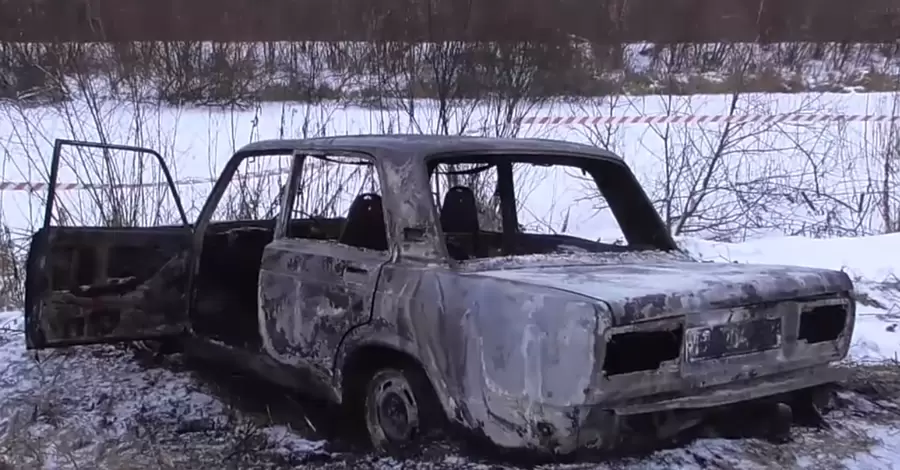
point(497, 205)
point(92, 268)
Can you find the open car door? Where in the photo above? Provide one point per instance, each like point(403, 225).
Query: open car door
point(110, 261)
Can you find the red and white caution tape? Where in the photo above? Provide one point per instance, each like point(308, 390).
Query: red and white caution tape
point(19, 186)
point(707, 118)
point(33, 187)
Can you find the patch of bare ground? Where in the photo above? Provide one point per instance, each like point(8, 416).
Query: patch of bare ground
point(878, 385)
point(104, 408)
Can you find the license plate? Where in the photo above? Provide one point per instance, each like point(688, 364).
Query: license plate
point(733, 339)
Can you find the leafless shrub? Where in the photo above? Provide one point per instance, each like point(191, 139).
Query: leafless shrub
point(122, 188)
point(867, 200)
point(238, 74)
point(23, 75)
point(739, 178)
point(11, 274)
point(510, 85)
point(887, 138)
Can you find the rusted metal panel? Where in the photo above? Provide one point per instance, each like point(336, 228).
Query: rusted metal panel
point(312, 293)
point(118, 310)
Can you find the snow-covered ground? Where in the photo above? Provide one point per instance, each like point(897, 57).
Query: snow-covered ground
point(105, 407)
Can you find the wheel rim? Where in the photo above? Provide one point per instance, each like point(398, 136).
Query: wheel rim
point(395, 409)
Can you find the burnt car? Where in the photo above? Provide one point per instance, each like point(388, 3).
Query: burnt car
point(431, 298)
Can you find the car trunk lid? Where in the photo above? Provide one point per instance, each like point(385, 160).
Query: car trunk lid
point(637, 292)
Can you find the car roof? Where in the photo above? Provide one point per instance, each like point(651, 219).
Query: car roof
point(401, 147)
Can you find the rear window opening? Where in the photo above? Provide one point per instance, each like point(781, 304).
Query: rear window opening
point(824, 323)
point(641, 351)
point(508, 205)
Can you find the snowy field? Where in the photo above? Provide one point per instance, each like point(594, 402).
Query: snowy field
point(112, 407)
point(785, 178)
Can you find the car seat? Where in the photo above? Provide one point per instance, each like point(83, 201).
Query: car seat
point(365, 227)
point(459, 215)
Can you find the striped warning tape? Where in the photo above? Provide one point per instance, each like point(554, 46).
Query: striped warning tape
point(33, 187)
point(30, 187)
point(708, 118)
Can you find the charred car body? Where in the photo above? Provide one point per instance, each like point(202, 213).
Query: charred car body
point(408, 309)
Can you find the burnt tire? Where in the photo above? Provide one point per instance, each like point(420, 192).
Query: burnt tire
point(399, 409)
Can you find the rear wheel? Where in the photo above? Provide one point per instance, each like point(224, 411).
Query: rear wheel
point(399, 409)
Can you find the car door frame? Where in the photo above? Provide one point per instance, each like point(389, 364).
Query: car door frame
point(204, 218)
point(37, 275)
point(300, 276)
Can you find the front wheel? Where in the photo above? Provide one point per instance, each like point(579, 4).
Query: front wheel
point(399, 409)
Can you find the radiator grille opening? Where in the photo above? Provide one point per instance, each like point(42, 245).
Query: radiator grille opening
point(821, 324)
point(641, 351)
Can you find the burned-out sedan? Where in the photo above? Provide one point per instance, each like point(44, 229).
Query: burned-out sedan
point(428, 281)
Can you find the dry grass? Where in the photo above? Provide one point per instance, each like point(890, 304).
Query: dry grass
point(878, 382)
point(11, 294)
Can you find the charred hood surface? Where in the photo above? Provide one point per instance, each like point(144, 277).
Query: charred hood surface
point(648, 290)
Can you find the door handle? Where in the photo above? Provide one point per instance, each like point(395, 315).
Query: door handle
point(356, 270)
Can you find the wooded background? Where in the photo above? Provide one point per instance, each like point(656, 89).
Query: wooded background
point(597, 21)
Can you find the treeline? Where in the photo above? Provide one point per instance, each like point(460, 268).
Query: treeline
point(596, 21)
point(374, 73)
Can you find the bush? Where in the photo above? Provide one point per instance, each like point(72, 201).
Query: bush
point(11, 295)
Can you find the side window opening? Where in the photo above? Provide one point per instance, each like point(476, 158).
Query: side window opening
point(339, 199)
point(560, 205)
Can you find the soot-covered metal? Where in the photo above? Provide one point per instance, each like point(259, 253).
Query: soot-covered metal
point(518, 348)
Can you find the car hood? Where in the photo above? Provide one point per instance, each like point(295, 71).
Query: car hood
point(651, 290)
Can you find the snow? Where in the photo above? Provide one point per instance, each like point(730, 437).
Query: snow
point(102, 408)
point(874, 258)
